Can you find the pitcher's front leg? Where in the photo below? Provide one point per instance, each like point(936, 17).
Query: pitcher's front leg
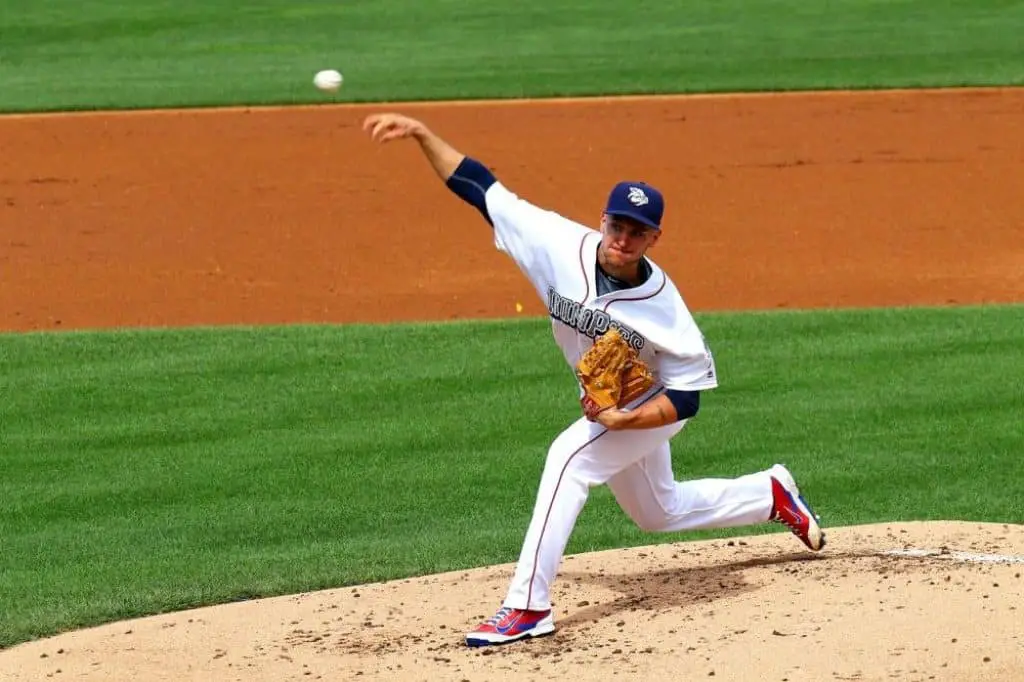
point(563, 490)
point(583, 456)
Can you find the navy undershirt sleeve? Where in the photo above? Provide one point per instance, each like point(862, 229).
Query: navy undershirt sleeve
point(686, 402)
point(470, 182)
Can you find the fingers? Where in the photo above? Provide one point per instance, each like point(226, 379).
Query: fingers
point(392, 134)
point(374, 123)
point(371, 121)
point(381, 126)
point(384, 127)
point(387, 127)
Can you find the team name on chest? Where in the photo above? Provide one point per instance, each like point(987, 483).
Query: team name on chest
point(588, 321)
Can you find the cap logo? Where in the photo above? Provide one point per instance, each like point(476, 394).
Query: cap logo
point(637, 196)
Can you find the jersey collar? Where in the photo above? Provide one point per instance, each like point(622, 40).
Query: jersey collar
point(588, 260)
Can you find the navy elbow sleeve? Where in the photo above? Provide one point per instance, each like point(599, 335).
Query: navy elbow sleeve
point(470, 182)
point(687, 403)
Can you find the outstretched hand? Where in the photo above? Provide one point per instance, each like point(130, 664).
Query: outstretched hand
point(388, 126)
point(385, 127)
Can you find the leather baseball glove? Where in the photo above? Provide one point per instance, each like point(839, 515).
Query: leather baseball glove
point(611, 374)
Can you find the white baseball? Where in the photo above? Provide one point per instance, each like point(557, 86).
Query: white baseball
point(327, 80)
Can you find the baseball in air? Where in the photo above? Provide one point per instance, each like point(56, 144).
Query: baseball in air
point(328, 80)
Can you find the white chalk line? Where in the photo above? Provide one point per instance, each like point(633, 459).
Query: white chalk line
point(969, 557)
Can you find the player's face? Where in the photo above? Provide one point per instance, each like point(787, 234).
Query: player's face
point(625, 241)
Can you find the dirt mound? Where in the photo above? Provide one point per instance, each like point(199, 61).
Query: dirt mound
point(916, 601)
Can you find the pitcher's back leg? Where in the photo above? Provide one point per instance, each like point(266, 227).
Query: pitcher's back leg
point(648, 492)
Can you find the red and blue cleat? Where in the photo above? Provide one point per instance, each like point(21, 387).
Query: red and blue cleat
point(791, 509)
point(509, 625)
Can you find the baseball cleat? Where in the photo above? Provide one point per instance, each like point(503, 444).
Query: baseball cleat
point(791, 509)
point(509, 625)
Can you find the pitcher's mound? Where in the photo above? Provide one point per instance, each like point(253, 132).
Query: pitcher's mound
point(915, 601)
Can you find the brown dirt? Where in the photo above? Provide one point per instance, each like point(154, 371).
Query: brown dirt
point(756, 608)
point(290, 215)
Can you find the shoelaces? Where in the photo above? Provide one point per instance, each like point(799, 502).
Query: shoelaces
point(499, 616)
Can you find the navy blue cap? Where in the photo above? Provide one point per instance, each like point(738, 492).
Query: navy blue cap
point(637, 200)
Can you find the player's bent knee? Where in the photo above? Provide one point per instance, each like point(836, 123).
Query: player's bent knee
point(651, 524)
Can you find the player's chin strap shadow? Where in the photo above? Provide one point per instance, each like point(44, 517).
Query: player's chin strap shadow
point(675, 587)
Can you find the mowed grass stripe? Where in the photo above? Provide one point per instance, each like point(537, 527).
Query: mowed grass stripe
point(97, 54)
point(152, 470)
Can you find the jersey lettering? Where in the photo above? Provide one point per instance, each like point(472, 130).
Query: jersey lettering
point(587, 321)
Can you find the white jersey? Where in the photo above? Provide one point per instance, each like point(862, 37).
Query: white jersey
point(559, 257)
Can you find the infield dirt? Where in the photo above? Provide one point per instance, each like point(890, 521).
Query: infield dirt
point(292, 215)
point(774, 201)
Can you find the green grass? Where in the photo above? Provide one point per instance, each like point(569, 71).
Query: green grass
point(89, 54)
point(146, 471)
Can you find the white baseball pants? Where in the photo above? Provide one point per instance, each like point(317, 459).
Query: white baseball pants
point(637, 466)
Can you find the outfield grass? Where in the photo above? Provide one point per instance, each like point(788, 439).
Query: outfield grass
point(152, 470)
point(70, 54)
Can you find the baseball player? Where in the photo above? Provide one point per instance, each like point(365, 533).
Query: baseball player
point(592, 281)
